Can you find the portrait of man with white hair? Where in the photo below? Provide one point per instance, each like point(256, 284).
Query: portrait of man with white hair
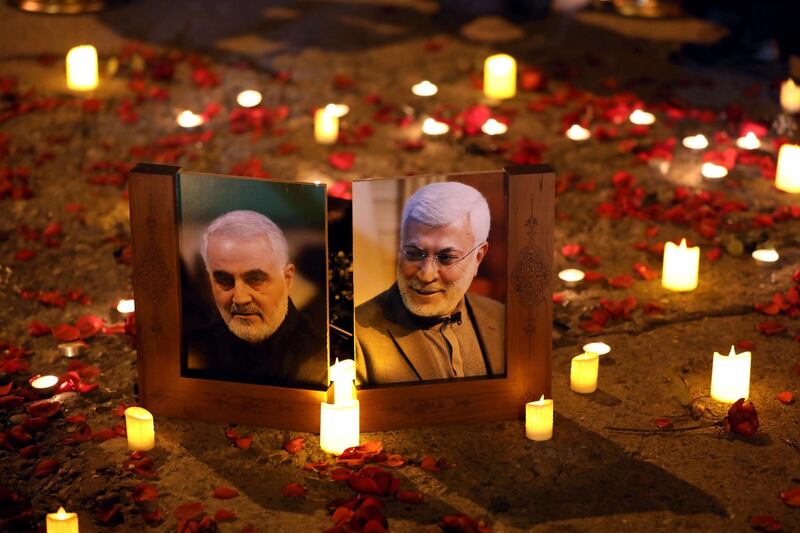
point(427, 326)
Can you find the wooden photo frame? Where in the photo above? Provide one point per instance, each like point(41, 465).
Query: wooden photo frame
point(528, 194)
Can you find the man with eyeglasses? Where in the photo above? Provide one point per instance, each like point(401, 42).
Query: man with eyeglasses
point(427, 326)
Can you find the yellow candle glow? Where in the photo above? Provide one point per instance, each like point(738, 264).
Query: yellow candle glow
point(766, 256)
point(44, 383)
point(539, 419)
point(249, 98)
point(600, 348)
point(494, 127)
point(787, 175)
point(431, 126)
point(713, 171)
point(576, 132)
point(642, 118)
point(730, 376)
point(790, 96)
point(62, 522)
point(338, 426)
point(187, 119)
point(338, 110)
point(343, 375)
point(82, 68)
point(571, 277)
point(749, 141)
point(424, 88)
point(681, 267)
point(140, 429)
point(500, 77)
point(696, 142)
point(583, 373)
point(126, 307)
point(70, 349)
point(326, 125)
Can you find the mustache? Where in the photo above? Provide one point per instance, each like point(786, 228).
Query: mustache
point(420, 286)
point(245, 309)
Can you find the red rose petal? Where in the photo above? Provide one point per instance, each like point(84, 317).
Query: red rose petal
point(571, 250)
point(225, 493)
point(745, 345)
point(5, 389)
point(189, 511)
point(430, 464)
point(44, 408)
point(293, 445)
point(224, 515)
point(791, 497)
point(46, 467)
point(785, 397)
point(408, 496)
point(342, 514)
point(363, 485)
point(770, 328)
point(765, 523)
point(663, 423)
point(37, 328)
point(342, 160)
point(66, 333)
point(294, 490)
point(144, 492)
point(621, 282)
point(89, 325)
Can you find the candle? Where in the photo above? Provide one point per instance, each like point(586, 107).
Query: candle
point(713, 171)
point(431, 126)
point(696, 142)
point(730, 376)
point(765, 256)
point(424, 88)
point(44, 385)
point(642, 118)
point(539, 419)
point(571, 277)
point(62, 522)
point(126, 307)
point(583, 373)
point(249, 98)
point(576, 132)
point(787, 175)
point(790, 96)
point(326, 125)
point(82, 68)
point(494, 127)
point(338, 110)
point(139, 426)
point(339, 426)
point(681, 266)
point(749, 141)
point(70, 349)
point(189, 120)
point(500, 76)
point(343, 375)
point(600, 348)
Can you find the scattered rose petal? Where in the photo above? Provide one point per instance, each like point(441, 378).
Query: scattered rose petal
point(293, 445)
point(791, 497)
point(785, 397)
point(224, 515)
point(408, 496)
point(342, 160)
point(225, 493)
point(294, 490)
point(189, 511)
point(46, 467)
point(765, 523)
point(44, 408)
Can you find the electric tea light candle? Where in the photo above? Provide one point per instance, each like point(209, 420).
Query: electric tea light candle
point(62, 522)
point(730, 376)
point(500, 77)
point(326, 125)
point(576, 132)
point(126, 307)
point(249, 98)
point(340, 421)
point(188, 119)
point(713, 171)
point(766, 256)
point(431, 126)
point(790, 96)
point(642, 118)
point(140, 429)
point(571, 277)
point(681, 266)
point(494, 127)
point(749, 141)
point(600, 348)
point(44, 385)
point(82, 68)
point(539, 419)
point(787, 175)
point(696, 142)
point(424, 88)
point(583, 373)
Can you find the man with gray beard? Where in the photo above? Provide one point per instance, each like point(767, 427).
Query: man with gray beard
point(426, 326)
point(259, 336)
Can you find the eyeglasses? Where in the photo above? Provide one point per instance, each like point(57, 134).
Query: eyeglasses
point(415, 255)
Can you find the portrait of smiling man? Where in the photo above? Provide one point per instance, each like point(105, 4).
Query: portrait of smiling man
point(427, 326)
point(258, 335)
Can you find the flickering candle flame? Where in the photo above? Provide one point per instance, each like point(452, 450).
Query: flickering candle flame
point(696, 142)
point(749, 141)
point(681, 267)
point(70, 349)
point(539, 419)
point(500, 77)
point(583, 373)
point(600, 348)
point(494, 127)
point(424, 88)
point(766, 256)
point(337, 110)
point(187, 119)
point(642, 118)
point(431, 126)
point(343, 375)
point(249, 98)
point(730, 376)
point(571, 277)
point(82, 68)
point(126, 307)
point(713, 171)
point(787, 174)
point(576, 132)
point(140, 429)
point(326, 125)
point(790, 96)
point(62, 522)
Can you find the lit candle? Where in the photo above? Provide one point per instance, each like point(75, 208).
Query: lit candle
point(500, 77)
point(749, 141)
point(787, 175)
point(189, 120)
point(571, 277)
point(713, 171)
point(583, 373)
point(82, 68)
point(326, 125)
point(44, 385)
point(494, 127)
point(140, 429)
point(431, 126)
point(642, 118)
point(70, 349)
point(730, 376)
point(249, 98)
point(576, 132)
point(696, 142)
point(126, 307)
point(765, 256)
point(790, 96)
point(424, 88)
point(338, 110)
point(343, 375)
point(339, 421)
point(539, 419)
point(681, 267)
point(600, 348)
point(62, 522)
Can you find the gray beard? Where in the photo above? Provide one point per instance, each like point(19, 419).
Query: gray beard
point(255, 333)
point(453, 294)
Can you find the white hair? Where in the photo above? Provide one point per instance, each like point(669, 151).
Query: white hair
point(244, 224)
point(440, 204)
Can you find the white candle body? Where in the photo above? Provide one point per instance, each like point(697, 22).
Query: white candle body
point(249, 98)
point(642, 118)
point(342, 375)
point(140, 429)
point(431, 126)
point(787, 175)
point(576, 132)
point(749, 141)
point(425, 88)
point(500, 76)
point(539, 420)
point(62, 522)
point(713, 171)
point(82, 68)
point(730, 376)
point(600, 348)
point(583, 373)
point(790, 96)
point(696, 142)
point(681, 267)
point(326, 126)
point(338, 426)
point(571, 277)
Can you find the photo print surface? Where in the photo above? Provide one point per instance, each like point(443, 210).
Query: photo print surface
point(253, 281)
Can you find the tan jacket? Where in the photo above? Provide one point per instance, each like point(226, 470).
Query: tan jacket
point(391, 349)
